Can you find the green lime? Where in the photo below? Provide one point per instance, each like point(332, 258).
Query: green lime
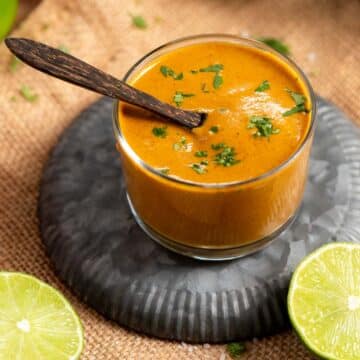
point(8, 9)
point(36, 321)
point(324, 301)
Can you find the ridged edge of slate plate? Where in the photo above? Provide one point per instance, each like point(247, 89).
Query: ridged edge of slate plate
point(100, 252)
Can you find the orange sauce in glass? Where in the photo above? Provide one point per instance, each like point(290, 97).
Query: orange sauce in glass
point(228, 147)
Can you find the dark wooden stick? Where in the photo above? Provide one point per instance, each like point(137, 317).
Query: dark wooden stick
point(71, 69)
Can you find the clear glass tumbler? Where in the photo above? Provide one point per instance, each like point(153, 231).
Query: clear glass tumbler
point(215, 221)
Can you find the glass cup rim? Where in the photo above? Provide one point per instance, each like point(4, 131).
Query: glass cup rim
point(216, 37)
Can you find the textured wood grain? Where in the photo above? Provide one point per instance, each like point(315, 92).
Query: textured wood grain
point(71, 69)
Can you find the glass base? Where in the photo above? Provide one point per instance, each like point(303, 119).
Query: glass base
point(209, 254)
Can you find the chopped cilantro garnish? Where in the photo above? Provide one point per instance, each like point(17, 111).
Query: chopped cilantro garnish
point(182, 145)
point(276, 44)
point(160, 131)
point(214, 129)
point(263, 125)
point(299, 100)
point(64, 49)
point(204, 162)
point(218, 146)
point(179, 96)
point(14, 63)
point(218, 81)
point(164, 171)
point(199, 168)
point(204, 89)
point(201, 153)
point(166, 71)
point(235, 349)
point(265, 85)
point(28, 94)
point(294, 110)
point(138, 21)
point(213, 68)
point(226, 157)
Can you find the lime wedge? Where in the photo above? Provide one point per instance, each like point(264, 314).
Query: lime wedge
point(8, 9)
point(324, 301)
point(36, 321)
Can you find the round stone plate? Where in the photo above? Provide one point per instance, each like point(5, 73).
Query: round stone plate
point(103, 255)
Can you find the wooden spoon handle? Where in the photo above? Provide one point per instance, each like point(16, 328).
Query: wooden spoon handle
point(71, 69)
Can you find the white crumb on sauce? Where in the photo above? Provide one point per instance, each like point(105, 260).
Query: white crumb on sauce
point(262, 104)
point(237, 90)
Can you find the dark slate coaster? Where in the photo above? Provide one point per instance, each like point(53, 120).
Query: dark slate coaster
point(101, 253)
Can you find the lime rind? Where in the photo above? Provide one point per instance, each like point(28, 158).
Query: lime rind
point(36, 285)
point(331, 297)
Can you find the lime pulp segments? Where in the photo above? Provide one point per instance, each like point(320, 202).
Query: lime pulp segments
point(36, 321)
point(324, 301)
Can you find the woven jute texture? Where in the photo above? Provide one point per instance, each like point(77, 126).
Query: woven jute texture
point(324, 38)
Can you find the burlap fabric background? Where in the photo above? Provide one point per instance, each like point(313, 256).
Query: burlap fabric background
point(324, 38)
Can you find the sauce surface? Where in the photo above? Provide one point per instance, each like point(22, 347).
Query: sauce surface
point(246, 93)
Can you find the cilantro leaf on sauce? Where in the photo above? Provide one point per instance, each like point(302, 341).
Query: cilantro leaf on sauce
point(179, 97)
point(214, 68)
point(265, 85)
point(214, 129)
point(160, 132)
point(300, 101)
point(226, 157)
point(218, 81)
point(166, 71)
point(201, 153)
point(199, 168)
point(263, 125)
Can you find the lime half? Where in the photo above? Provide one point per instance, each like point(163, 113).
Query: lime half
point(324, 301)
point(8, 9)
point(36, 321)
